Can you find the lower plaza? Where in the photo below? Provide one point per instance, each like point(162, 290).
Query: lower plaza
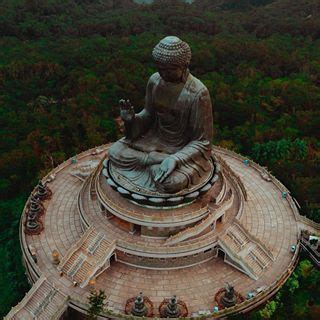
point(244, 231)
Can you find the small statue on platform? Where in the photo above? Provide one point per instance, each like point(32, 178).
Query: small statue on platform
point(34, 205)
point(173, 308)
point(139, 306)
point(32, 223)
point(33, 213)
point(167, 146)
point(43, 192)
point(139, 309)
point(229, 299)
point(229, 291)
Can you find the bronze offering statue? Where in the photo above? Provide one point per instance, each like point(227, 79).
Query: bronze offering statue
point(228, 297)
point(167, 146)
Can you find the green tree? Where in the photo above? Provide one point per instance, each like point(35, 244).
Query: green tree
point(292, 283)
point(96, 303)
point(268, 310)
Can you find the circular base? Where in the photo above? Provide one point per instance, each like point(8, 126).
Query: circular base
point(39, 212)
point(170, 219)
point(224, 302)
point(147, 311)
point(44, 196)
point(156, 199)
point(268, 221)
point(182, 309)
point(36, 228)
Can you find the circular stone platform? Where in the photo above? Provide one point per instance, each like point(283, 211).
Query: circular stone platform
point(155, 199)
point(239, 232)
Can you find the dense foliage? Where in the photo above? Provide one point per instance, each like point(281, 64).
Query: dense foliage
point(65, 64)
point(96, 303)
point(299, 298)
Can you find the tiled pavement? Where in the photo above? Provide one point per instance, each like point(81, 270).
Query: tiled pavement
point(266, 215)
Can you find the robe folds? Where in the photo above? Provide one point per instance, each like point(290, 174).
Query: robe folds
point(176, 121)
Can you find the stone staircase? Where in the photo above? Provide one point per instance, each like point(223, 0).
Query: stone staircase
point(239, 238)
point(247, 248)
point(83, 272)
point(197, 229)
point(89, 258)
point(258, 259)
point(89, 239)
point(73, 264)
point(103, 249)
point(190, 231)
point(42, 302)
point(95, 243)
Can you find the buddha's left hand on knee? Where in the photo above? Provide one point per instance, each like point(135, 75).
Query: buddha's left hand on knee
point(167, 166)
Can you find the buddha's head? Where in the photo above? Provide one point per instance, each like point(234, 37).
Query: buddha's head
point(172, 57)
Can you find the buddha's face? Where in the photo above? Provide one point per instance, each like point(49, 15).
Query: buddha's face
point(170, 72)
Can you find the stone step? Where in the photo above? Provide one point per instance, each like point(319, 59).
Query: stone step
point(235, 246)
point(51, 308)
point(88, 241)
point(247, 248)
point(253, 263)
point(69, 263)
point(95, 243)
point(77, 264)
point(89, 256)
point(44, 302)
point(38, 296)
point(239, 235)
point(102, 250)
point(83, 272)
point(262, 256)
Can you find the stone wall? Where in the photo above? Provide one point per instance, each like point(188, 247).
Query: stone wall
point(161, 232)
point(165, 263)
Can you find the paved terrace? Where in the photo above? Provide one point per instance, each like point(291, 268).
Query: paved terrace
point(266, 215)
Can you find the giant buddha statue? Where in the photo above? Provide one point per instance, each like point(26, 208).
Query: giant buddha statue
point(167, 146)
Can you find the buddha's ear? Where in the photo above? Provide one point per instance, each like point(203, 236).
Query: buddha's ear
point(185, 74)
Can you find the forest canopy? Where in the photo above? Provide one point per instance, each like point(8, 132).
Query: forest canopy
point(65, 64)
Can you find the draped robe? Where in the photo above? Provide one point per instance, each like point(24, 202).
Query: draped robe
point(176, 121)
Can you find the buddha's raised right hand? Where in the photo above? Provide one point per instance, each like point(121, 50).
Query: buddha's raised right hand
point(126, 110)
